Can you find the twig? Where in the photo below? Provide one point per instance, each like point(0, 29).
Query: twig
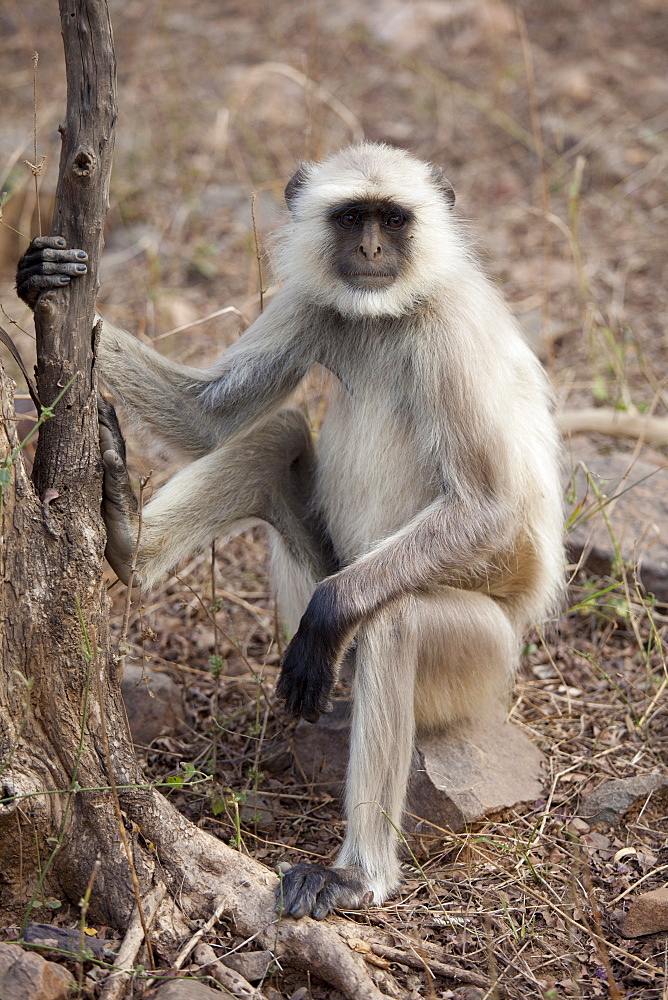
point(85, 903)
point(36, 169)
point(204, 319)
point(258, 255)
point(224, 904)
point(617, 423)
point(598, 939)
point(135, 934)
point(228, 978)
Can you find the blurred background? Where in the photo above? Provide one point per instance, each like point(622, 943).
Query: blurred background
point(549, 119)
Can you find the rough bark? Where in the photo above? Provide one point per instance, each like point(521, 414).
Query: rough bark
point(52, 595)
point(54, 710)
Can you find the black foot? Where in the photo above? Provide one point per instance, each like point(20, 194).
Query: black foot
point(119, 503)
point(308, 889)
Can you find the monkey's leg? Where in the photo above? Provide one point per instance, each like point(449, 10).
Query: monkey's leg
point(450, 653)
point(264, 476)
point(468, 656)
point(381, 745)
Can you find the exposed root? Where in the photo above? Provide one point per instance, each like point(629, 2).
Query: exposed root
point(207, 876)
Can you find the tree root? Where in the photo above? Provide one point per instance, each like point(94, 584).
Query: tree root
point(414, 954)
point(204, 876)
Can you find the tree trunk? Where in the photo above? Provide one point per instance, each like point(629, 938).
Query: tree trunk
point(52, 594)
point(59, 680)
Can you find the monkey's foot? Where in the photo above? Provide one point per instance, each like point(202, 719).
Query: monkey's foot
point(309, 889)
point(119, 504)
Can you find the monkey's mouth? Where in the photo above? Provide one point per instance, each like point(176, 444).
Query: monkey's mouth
point(368, 279)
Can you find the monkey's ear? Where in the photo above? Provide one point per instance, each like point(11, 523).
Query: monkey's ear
point(294, 185)
point(441, 182)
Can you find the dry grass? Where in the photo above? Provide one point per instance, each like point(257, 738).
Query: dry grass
point(534, 898)
point(220, 101)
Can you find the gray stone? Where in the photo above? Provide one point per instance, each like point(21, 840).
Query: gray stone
point(461, 778)
point(25, 975)
point(252, 965)
point(638, 517)
point(153, 702)
point(321, 750)
point(455, 779)
point(648, 914)
point(256, 813)
point(608, 802)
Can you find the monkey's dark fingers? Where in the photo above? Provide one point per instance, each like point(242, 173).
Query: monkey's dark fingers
point(111, 435)
point(47, 264)
point(117, 487)
point(313, 889)
point(307, 677)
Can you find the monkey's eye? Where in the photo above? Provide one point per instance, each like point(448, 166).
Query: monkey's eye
point(348, 219)
point(395, 221)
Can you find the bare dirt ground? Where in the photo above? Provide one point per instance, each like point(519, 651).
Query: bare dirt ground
point(550, 119)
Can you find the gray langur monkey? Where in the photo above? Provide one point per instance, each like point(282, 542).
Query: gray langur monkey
point(424, 527)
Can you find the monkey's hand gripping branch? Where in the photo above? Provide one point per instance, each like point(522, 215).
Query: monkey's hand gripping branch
point(46, 265)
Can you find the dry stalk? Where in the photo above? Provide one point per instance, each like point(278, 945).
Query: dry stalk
point(544, 184)
point(258, 255)
point(122, 642)
point(134, 936)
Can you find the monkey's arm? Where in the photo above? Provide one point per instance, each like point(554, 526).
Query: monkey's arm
point(453, 541)
point(192, 410)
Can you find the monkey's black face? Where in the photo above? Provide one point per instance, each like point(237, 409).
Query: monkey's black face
point(372, 242)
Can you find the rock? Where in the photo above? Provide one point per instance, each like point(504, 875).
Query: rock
point(321, 750)
point(256, 813)
point(608, 802)
point(648, 914)
point(252, 965)
point(455, 779)
point(153, 702)
point(185, 989)
point(461, 778)
point(25, 975)
point(638, 517)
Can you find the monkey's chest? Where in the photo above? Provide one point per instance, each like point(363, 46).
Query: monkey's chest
point(373, 474)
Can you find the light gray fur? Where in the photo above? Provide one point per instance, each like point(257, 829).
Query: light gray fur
point(435, 472)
